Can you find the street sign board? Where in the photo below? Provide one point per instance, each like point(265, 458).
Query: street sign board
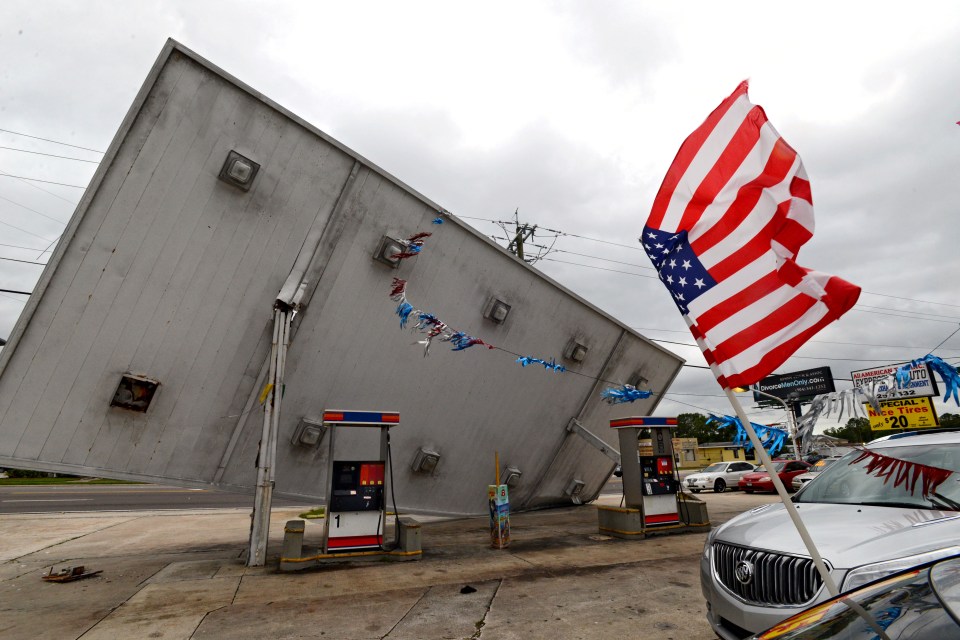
point(903, 413)
point(921, 382)
point(805, 384)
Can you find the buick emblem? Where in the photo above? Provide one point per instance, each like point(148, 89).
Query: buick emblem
point(744, 572)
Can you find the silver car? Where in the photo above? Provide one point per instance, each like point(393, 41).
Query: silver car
point(719, 476)
point(755, 570)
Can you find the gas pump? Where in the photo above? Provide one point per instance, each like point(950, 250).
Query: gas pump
point(649, 482)
point(356, 489)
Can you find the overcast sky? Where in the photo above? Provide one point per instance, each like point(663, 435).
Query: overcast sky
point(569, 112)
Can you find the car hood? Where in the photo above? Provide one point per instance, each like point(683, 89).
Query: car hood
point(705, 476)
point(846, 535)
point(755, 476)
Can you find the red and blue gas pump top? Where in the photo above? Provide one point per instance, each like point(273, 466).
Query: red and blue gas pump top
point(642, 421)
point(361, 418)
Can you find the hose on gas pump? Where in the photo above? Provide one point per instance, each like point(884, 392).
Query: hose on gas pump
point(393, 495)
point(680, 493)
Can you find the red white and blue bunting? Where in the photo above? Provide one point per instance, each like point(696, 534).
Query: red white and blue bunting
point(433, 328)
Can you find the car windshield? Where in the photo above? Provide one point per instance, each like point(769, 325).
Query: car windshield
point(719, 466)
point(777, 466)
point(900, 485)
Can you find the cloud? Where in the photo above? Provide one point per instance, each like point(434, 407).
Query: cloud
point(569, 112)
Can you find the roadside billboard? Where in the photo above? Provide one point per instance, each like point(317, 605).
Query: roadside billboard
point(921, 382)
point(903, 413)
point(804, 384)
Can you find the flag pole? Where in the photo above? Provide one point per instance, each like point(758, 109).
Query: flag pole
point(782, 492)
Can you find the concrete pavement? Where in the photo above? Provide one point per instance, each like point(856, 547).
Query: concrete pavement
point(181, 575)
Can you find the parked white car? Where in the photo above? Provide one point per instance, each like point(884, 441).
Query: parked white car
point(891, 506)
point(818, 466)
point(719, 476)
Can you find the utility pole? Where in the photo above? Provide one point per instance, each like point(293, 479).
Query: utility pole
point(523, 232)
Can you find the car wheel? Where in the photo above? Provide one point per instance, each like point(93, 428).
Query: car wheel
point(719, 486)
point(695, 490)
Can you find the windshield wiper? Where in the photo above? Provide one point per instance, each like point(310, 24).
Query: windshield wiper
point(942, 500)
point(902, 505)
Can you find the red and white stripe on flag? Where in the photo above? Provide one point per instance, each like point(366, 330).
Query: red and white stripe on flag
point(724, 231)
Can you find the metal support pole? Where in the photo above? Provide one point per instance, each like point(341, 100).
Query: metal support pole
point(791, 416)
point(266, 459)
point(784, 497)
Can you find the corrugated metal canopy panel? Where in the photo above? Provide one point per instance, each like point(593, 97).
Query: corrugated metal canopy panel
point(168, 272)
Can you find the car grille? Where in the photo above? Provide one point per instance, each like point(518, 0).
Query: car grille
point(777, 580)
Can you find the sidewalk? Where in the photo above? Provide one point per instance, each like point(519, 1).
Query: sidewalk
point(180, 575)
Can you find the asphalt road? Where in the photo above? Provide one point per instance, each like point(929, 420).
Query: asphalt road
point(117, 497)
point(133, 497)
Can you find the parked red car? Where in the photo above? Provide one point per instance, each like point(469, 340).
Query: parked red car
point(760, 480)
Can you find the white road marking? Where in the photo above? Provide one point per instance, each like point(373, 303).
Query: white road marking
point(53, 500)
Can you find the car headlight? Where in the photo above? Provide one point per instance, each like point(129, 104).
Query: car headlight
point(870, 572)
point(709, 543)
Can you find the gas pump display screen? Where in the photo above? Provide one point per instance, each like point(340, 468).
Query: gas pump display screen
point(357, 486)
point(658, 475)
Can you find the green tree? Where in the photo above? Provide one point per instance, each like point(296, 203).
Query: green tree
point(26, 473)
point(950, 420)
point(694, 425)
point(856, 430)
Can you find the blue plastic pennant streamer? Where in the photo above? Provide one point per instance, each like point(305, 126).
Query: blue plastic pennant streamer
point(525, 360)
point(622, 394)
point(771, 438)
point(949, 374)
point(404, 309)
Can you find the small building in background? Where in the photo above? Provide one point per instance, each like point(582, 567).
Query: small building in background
point(685, 451)
point(710, 452)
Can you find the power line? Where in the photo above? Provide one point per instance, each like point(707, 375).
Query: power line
point(917, 315)
point(585, 255)
point(574, 235)
point(24, 261)
point(582, 255)
point(23, 230)
point(3, 295)
point(590, 266)
point(945, 339)
point(865, 344)
point(66, 144)
point(893, 315)
point(23, 293)
point(693, 344)
point(60, 184)
point(920, 313)
point(52, 242)
point(562, 233)
point(16, 246)
point(891, 346)
point(946, 304)
point(50, 155)
point(59, 197)
point(853, 344)
point(23, 206)
point(616, 244)
point(686, 331)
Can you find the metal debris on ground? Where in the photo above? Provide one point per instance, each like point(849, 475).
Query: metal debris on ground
point(69, 574)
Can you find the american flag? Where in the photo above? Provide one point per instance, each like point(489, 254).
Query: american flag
point(725, 228)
